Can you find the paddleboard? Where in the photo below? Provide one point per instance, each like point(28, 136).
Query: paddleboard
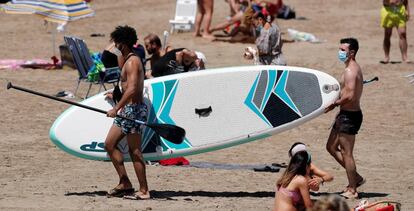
point(218, 108)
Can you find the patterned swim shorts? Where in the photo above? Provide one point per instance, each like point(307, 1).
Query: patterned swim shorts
point(132, 111)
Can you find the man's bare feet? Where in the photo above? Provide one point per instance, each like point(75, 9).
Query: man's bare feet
point(385, 61)
point(138, 196)
point(120, 190)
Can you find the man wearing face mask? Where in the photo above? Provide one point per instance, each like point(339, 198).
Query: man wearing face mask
point(348, 122)
point(131, 105)
point(268, 41)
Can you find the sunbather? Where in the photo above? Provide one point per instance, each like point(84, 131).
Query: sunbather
point(176, 61)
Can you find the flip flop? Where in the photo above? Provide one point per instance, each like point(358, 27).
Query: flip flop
point(384, 62)
point(116, 192)
point(138, 196)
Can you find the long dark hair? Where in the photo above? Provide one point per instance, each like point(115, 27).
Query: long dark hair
point(297, 166)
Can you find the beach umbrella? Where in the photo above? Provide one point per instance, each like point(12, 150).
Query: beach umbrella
point(55, 11)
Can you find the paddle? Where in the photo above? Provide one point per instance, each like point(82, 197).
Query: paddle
point(369, 81)
point(172, 133)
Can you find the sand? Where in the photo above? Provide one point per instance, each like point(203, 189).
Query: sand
point(36, 175)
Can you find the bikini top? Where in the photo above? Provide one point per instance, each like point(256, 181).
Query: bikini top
point(295, 196)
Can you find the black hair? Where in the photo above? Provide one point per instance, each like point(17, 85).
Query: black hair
point(353, 44)
point(293, 145)
point(124, 35)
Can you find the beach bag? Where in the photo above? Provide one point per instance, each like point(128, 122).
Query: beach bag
point(286, 12)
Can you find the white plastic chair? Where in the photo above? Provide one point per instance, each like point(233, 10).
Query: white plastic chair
point(185, 15)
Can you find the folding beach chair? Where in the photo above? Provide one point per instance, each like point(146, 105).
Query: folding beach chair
point(83, 63)
point(185, 14)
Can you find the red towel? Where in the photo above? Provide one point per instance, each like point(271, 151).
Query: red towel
point(179, 161)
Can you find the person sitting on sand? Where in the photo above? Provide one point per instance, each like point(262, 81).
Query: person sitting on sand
point(317, 176)
point(235, 18)
point(292, 189)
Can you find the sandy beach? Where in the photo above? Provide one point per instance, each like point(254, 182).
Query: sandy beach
point(36, 175)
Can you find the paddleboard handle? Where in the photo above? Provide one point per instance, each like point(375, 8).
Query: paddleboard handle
point(203, 112)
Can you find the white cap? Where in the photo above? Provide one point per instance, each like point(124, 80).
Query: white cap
point(201, 56)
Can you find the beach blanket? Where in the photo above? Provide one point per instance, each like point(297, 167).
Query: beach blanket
point(15, 64)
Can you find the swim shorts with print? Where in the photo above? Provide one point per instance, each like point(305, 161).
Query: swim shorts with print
point(348, 122)
point(393, 16)
point(132, 111)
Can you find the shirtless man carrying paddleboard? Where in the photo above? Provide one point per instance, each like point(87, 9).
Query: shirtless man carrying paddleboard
point(347, 123)
point(130, 105)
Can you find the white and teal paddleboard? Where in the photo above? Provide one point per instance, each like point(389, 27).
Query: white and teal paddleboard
point(218, 108)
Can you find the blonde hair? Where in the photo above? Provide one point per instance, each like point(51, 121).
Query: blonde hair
point(330, 203)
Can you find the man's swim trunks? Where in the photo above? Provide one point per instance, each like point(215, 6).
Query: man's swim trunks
point(348, 122)
point(393, 16)
point(132, 111)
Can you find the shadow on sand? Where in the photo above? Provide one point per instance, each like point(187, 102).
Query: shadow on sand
point(169, 194)
point(362, 195)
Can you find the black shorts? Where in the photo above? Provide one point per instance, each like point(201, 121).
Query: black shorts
point(348, 122)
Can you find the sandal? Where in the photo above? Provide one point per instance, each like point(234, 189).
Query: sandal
point(117, 192)
point(138, 196)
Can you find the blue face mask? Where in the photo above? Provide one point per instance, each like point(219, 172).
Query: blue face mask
point(342, 56)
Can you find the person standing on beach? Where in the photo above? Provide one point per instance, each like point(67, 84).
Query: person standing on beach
point(348, 122)
point(268, 41)
point(395, 13)
point(131, 105)
point(205, 10)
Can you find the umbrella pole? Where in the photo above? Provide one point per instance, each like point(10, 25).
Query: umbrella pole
point(54, 40)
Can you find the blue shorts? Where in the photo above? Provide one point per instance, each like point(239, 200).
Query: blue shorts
point(132, 111)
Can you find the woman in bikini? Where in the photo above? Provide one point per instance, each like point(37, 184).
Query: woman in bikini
point(317, 176)
point(292, 189)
